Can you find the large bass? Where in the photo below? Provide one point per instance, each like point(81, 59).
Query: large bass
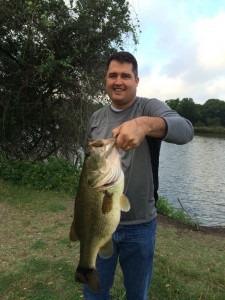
point(98, 205)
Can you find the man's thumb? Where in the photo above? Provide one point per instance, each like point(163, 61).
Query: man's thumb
point(116, 131)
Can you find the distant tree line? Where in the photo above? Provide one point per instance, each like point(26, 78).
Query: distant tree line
point(211, 113)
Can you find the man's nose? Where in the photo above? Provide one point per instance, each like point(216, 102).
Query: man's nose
point(118, 80)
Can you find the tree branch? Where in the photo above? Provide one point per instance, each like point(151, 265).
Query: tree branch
point(196, 225)
point(10, 55)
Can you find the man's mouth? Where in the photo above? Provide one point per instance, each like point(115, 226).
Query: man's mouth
point(118, 90)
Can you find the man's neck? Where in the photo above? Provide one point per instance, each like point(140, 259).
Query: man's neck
point(115, 109)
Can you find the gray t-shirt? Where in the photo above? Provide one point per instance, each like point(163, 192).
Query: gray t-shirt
point(136, 163)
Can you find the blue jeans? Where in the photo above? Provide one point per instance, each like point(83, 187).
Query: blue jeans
point(134, 247)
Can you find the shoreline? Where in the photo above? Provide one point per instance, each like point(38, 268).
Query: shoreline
point(167, 221)
point(209, 130)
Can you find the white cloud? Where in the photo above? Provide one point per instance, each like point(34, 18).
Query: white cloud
point(160, 86)
point(164, 88)
point(216, 88)
point(211, 42)
point(182, 50)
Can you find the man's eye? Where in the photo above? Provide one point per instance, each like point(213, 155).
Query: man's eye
point(112, 76)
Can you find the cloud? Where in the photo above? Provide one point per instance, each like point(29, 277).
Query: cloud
point(160, 86)
point(182, 50)
point(164, 88)
point(211, 42)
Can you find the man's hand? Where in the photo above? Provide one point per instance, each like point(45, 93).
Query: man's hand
point(131, 133)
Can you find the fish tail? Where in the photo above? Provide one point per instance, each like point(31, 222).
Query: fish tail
point(88, 276)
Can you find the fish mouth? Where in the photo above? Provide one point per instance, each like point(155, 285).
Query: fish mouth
point(106, 185)
point(102, 185)
point(108, 182)
point(109, 144)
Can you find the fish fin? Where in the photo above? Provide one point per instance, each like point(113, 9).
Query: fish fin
point(72, 235)
point(107, 203)
point(88, 276)
point(124, 203)
point(107, 250)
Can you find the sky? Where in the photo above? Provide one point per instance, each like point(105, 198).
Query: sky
point(181, 50)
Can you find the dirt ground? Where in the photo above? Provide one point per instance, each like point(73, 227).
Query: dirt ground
point(162, 221)
point(216, 231)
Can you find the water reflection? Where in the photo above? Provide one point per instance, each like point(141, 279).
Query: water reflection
point(195, 173)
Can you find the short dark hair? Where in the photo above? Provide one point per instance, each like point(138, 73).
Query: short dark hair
point(123, 57)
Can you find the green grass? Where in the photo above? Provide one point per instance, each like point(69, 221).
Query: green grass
point(31, 199)
point(38, 261)
point(164, 208)
point(189, 265)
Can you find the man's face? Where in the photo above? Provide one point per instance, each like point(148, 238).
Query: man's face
point(121, 84)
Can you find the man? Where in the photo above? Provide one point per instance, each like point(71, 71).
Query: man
point(134, 121)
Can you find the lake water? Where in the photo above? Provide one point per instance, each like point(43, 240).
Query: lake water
point(195, 173)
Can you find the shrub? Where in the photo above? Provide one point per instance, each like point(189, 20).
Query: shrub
point(53, 174)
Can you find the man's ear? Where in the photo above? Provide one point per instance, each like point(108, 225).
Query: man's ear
point(137, 80)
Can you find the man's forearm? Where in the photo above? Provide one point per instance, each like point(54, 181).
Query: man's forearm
point(155, 127)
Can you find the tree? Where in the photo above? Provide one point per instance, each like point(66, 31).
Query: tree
point(214, 112)
point(173, 103)
point(211, 113)
point(187, 109)
point(51, 69)
point(199, 120)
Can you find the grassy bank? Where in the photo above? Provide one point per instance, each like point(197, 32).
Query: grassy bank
point(210, 130)
point(38, 261)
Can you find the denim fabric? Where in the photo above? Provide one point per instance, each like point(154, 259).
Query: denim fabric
point(134, 247)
